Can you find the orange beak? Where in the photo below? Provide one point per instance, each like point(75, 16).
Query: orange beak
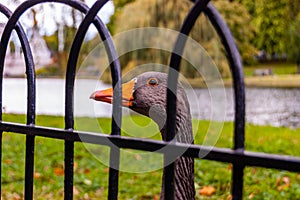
point(107, 95)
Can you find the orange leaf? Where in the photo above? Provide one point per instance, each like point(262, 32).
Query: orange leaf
point(229, 197)
point(36, 175)
point(286, 183)
point(207, 191)
point(156, 197)
point(7, 161)
point(59, 171)
point(86, 171)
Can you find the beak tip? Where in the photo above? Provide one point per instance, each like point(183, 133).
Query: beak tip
point(93, 96)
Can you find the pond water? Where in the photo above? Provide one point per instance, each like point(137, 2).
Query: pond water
point(277, 107)
point(264, 106)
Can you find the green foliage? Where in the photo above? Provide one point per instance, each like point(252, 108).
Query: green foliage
point(155, 13)
point(52, 42)
point(293, 8)
point(240, 24)
point(49, 71)
point(293, 41)
point(271, 25)
point(276, 23)
point(250, 5)
point(149, 13)
point(170, 14)
point(119, 4)
point(60, 58)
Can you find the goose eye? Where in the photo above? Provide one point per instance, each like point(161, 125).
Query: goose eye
point(153, 82)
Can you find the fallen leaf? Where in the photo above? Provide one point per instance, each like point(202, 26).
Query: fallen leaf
point(87, 182)
point(282, 187)
point(286, 180)
point(7, 161)
point(44, 188)
point(86, 196)
point(75, 166)
point(286, 183)
point(36, 175)
point(138, 157)
point(156, 197)
point(16, 196)
point(207, 191)
point(51, 181)
point(106, 170)
point(59, 171)
point(11, 173)
point(251, 195)
point(153, 173)
point(75, 191)
point(86, 171)
point(99, 192)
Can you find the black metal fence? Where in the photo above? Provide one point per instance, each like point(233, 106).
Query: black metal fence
point(237, 156)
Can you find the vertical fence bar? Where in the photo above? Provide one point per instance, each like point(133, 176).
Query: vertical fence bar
point(175, 61)
point(30, 140)
point(7, 13)
point(116, 77)
point(239, 91)
point(31, 105)
point(29, 167)
point(69, 170)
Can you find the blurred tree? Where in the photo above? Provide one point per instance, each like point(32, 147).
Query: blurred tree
point(240, 24)
point(250, 5)
point(276, 24)
point(293, 8)
point(119, 4)
point(293, 42)
point(170, 14)
point(271, 24)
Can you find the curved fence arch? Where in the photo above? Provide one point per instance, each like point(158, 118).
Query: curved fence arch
point(237, 156)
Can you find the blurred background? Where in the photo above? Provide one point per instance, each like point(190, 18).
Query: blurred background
point(267, 34)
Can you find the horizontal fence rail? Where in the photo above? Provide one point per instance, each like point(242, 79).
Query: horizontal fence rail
point(247, 158)
point(237, 156)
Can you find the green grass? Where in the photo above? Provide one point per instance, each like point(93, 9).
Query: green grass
point(278, 68)
point(91, 174)
point(284, 76)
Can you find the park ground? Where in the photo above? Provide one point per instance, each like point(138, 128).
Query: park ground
point(283, 76)
point(212, 179)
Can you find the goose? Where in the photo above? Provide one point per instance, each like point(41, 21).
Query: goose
point(146, 94)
